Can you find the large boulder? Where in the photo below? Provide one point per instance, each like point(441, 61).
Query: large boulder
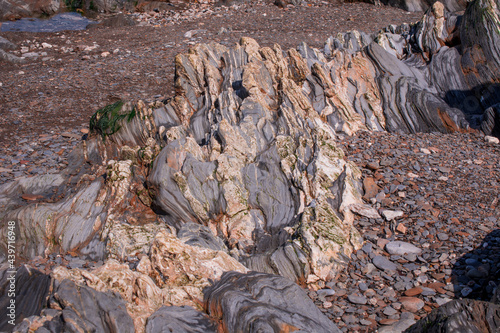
point(73, 308)
point(258, 302)
point(23, 294)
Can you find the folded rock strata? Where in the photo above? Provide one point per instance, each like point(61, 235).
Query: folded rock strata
point(240, 170)
point(181, 319)
point(259, 302)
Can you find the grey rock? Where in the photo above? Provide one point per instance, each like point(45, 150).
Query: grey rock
point(442, 236)
point(257, 302)
point(325, 292)
point(10, 57)
point(357, 299)
point(86, 309)
point(31, 289)
point(389, 311)
point(198, 235)
point(383, 263)
point(182, 319)
point(5, 44)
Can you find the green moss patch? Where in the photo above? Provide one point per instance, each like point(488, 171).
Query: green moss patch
point(106, 121)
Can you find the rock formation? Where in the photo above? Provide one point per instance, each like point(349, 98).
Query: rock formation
point(460, 316)
point(259, 302)
point(423, 5)
point(241, 171)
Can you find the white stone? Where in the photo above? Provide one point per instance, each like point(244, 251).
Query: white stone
point(46, 46)
point(401, 248)
point(491, 139)
point(392, 214)
point(425, 151)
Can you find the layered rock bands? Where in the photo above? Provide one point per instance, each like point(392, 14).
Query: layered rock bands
point(236, 187)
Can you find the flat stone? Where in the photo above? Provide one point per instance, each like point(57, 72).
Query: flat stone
point(365, 210)
point(413, 291)
point(325, 292)
point(412, 304)
point(444, 169)
point(389, 311)
point(383, 263)
point(442, 236)
point(356, 299)
point(401, 248)
point(392, 214)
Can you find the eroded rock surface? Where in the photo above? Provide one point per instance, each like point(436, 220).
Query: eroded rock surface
point(182, 319)
point(258, 302)
point(30, 288)
point(241, 171)
point(48, 305)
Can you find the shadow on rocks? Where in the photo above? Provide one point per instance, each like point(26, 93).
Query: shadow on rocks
point(481, 106)
point(476, 277)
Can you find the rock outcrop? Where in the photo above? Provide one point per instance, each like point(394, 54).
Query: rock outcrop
point(460, 316)
point(259, 302)
point(28, 288)
point(15, 9)
point(241, 171)
point(423, 5)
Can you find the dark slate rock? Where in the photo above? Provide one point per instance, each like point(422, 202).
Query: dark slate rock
point(288, 261)
point(490, 124)
point(259, 302)
point(31, 290)
point(383, 263)
point(181, 319)
point(87, 310)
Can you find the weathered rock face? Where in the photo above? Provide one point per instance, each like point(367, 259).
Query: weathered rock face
point(241, 171)
point(47, 305)
point(30, 288)
point(258, 302)
point(15, 9)
point(182, 319)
